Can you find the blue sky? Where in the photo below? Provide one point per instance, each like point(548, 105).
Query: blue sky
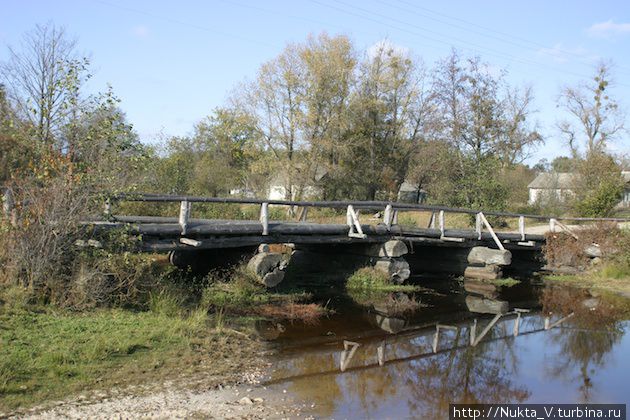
point(171, 63)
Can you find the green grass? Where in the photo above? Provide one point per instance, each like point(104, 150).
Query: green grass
point(506, 282)
point(616, 270)
point(368, 278)
point(49, 353)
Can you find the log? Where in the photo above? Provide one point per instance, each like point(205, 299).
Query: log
point(396, 268)
point(197, 227)
point(393, 249)
point(269, 268)
point(486, 306)
point(490, 272)
point(153, 244)
point(486, 256)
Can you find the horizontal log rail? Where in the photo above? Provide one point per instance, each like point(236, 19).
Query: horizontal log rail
point(362, 205)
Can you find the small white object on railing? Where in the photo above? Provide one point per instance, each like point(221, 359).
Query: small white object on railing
point(264, 218)
point(184, 215)
point(352, 219)
point(494, 235)
point(521, 227)
point(388, 216)
point(441, 219)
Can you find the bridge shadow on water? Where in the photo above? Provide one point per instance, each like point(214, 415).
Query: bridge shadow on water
point(399, 355)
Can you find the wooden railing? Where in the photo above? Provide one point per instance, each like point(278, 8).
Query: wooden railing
point(389, 209)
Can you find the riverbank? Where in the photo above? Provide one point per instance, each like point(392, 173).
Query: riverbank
point(592, 281)
point(51, 353)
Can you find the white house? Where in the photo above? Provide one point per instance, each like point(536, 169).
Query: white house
point(551, 186)
point(411, 193)
point(558, 186)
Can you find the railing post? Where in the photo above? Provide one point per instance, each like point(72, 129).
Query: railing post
point(432, 220)
point(184, 215)
point(478, 225)
point(388, 216)
point(552, 225)
point(395, 218)
point(352, 220)
point(494, 235)
point(521, 227)
point(441, 220)
point(107, 208)
point(264, 218)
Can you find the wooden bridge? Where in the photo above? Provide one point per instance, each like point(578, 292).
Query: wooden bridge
point(371, 228)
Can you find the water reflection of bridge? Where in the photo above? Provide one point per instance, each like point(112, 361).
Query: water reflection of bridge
point(431, 340)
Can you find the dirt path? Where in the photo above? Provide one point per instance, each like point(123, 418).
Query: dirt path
point(241, 402)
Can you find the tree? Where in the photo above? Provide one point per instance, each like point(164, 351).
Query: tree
point(330, 76)
point(225, 144)
point(43, 79)
point(517, 135)
point(597, 117)
point(598, 186)
point(388, 113)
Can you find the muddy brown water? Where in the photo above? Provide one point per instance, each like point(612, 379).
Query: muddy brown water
point(409, 355)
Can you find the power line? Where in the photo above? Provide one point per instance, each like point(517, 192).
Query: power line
point(500, 36)
point(476, 48)
point(186, 24)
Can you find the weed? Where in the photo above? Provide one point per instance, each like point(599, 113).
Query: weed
point(369, 278)
point(506, 282)
point(165, 303)
point(615, 270)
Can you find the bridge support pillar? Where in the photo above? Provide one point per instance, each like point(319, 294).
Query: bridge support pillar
point(485, 263)
point(269, 267)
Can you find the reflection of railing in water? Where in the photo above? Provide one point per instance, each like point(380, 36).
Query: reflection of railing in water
point(351, 347)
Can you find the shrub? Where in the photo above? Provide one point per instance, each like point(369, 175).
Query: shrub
point(368, 278)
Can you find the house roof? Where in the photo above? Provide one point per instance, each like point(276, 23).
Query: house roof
point(408, 186)
point(553, 180)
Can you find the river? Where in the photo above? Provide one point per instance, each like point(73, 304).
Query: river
point(409, 355)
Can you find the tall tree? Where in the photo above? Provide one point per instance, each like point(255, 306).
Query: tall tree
point(42, 78)
point(388, 110)
point(596, 118)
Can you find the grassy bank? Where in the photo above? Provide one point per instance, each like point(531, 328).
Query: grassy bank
point(612, 275)
point(50, 353)
point(609, 272)
point(185, 328)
